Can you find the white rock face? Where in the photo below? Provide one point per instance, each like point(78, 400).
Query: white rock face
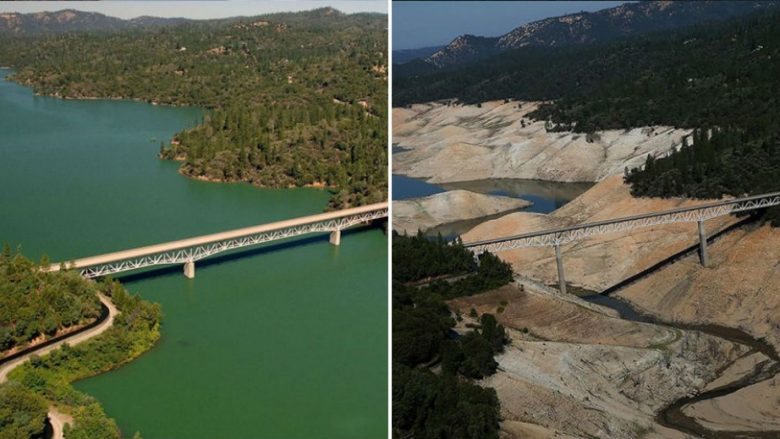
point(495, 140)
point(446, 207)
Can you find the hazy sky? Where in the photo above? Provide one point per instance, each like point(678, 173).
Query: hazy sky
point(433, 23)
point(194, 9)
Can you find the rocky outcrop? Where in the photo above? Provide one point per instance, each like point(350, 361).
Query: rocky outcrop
point(424, 213)
point(445, 143)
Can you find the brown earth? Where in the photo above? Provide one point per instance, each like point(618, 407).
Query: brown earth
point(426, 212)
point(598, 262)
point(575, 370)
point(495, 140)
point(740, 289)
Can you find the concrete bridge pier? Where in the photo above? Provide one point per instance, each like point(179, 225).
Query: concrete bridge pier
point(335, 237)
point(705, 260)
point(559, 262)
point(189, 269)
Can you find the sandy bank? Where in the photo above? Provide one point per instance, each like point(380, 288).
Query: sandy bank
point(424, 213)
point(496, 140)
point(753, 408)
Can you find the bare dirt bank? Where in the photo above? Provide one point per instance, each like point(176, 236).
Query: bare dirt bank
point(598, 262)
point(424, 213)
point(740, 289)
point(575, 370)
point(495, 140)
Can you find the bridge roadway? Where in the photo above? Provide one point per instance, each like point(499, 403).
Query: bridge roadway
point(563, 235)
point(188, 251)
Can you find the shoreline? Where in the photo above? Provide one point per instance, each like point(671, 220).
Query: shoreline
point(31, 86)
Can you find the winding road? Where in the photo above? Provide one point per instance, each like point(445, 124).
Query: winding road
point(57, 418)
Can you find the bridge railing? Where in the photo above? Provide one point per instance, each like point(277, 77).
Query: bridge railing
point(563, 235)
point(187, 251)
point(557, 237)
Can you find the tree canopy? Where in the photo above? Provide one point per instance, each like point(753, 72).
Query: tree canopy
point(36, 304)
point(719, 79)
point(425, 404)
point(295, 98)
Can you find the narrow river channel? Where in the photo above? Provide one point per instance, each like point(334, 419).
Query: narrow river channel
point(287, 341)
point(672, 416)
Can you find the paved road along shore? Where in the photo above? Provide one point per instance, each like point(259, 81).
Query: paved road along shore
point(57, 418)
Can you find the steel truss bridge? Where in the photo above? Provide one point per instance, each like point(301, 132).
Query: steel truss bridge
point(564, 235)
point(188, 251)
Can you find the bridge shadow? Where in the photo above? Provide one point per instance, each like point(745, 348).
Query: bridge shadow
point(260, 249)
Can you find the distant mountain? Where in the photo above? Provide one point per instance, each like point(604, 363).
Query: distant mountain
point(594, 27)
point(70, 20)
point(403, 56)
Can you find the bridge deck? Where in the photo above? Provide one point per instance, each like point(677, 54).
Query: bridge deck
point(215, 237)
point(682, 214)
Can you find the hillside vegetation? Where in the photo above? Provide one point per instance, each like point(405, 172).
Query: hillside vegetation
point(719, 78)
point(43, 381)
point(296, 98)
point(446, 404)
point(35, 305)
point(582, 28)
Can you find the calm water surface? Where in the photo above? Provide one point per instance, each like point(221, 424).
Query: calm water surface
point(547, 196)
point(287, 342)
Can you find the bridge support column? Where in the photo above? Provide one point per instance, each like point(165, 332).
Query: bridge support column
point(559, 261)
point(189, 269)
point(335, 237)
point(703, 257)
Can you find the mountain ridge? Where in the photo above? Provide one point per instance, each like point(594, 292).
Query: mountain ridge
point(72, 20)
point(591, 27)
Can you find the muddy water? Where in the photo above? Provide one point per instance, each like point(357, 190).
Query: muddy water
point(546, 196)
point(672, 416)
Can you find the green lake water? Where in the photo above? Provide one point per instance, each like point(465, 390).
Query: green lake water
point(286, 341)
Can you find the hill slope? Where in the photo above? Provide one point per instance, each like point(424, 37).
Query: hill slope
point(296, 98)
point(70, 20)
point(594, 27)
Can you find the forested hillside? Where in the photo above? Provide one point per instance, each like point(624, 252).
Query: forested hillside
point(296, 98)
point(70, 20)
point(445, 404)
point(583, 28)
point(35, 305)
point(719, 78)
point(33, 299)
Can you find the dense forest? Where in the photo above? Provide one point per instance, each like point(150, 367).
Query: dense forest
point(445, 404)
point(718, 78)
point(714, 162)
point(22, 414)
point(35, 304)
point(35, 385)
point(294, 99)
